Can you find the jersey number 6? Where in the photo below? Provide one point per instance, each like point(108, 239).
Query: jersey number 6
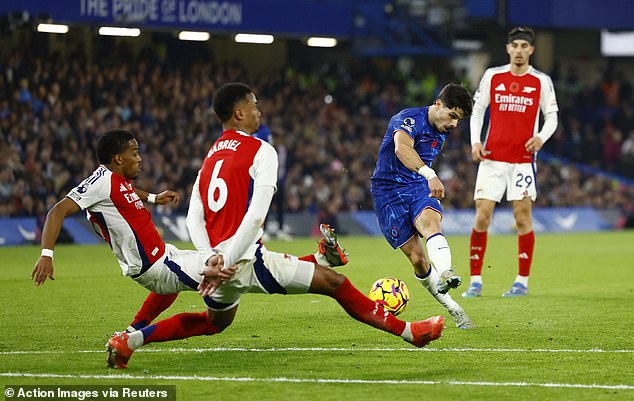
point(217, 183)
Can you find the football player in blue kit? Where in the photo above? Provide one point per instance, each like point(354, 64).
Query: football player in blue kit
point(407, 192)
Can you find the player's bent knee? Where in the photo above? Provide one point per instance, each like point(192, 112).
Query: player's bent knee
point(218, 321)
point(326, 281)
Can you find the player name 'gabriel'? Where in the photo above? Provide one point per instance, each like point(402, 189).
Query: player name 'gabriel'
point(227, 144)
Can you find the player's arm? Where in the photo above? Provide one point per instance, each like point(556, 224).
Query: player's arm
point(264, 172)
point(54, 219)
point(535, 143)
point(196, 221)
point(405, 152)
point(162, 198)
point(481, 102)
point(218, 270)
point(549, 108)
point(247, 232)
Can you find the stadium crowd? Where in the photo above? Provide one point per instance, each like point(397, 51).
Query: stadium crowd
point(328, 121)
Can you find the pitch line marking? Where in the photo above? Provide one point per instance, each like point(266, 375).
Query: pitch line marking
point(321, 381)
point(319, 349)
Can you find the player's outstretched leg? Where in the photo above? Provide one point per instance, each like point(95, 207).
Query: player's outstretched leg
point(121, 346)
point(458, 314)
point(153, 306)
point(361, 308)
point(118, 351)
point(329, 252)
point(330, 249)
point(448, 280)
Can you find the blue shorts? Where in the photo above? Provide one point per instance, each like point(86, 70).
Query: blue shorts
point(397, 209)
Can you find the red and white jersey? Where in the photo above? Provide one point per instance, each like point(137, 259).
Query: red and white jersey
point(119, 217)
point(235, 165)
point(515, 102)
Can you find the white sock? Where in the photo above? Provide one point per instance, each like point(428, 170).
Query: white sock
point(476, 279)
point(431, 284)
point(407, 333)
point(522, 280)
point(439, 252)
point(135, 339)
point(321, 259)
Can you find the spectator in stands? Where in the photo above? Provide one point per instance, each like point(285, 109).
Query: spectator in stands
point(168, 104)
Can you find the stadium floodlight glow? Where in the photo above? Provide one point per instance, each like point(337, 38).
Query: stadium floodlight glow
point(467, 45)
point(617, 44)
point(52, 28)
point(253, 38)
point(117, 31)
point(316, 41)
point(196, 36)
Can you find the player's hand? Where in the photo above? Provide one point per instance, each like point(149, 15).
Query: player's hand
point(168, 196)
point(43, 269)
point(436, 188)
point(477, 152)
point(534, 144)
point(214, 275)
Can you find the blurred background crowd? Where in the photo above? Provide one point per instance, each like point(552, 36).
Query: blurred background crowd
point(327, 122)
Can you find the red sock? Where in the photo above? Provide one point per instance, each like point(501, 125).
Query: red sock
point(476, 251)
point(153, 305)
point(525, 245)
point(309, 258)
point(179, 326)
point(364, 310)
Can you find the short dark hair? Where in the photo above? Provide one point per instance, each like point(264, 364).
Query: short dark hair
point(226, 97)
point(455, 95)
point(522, 33)
point(112, 143)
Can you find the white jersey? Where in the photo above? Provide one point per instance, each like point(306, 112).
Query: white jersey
point(119, 217)
point(235, 165)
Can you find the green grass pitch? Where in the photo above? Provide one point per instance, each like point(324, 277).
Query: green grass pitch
point(572, 338)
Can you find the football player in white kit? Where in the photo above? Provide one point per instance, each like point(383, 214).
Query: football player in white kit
point(516, 93)
point(229, 202)
point(115, 208)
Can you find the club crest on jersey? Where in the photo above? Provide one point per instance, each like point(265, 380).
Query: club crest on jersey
point(529, 89)
point(394, 232)
point(409, 121)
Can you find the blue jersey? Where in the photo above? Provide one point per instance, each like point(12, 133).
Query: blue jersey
point(428, 142)
point(264, 134)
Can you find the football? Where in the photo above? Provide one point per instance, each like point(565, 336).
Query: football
point(390, 292)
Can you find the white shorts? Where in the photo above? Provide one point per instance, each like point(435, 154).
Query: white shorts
point(495, 178)
point(176, 271)
point(268, 272)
